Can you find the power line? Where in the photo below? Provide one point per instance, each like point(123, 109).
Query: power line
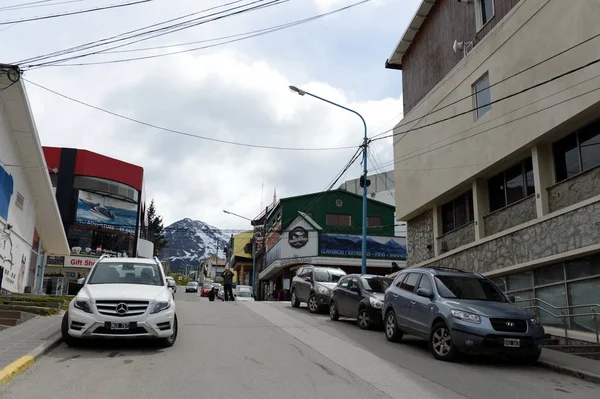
point(418, 119)
point(470, 111)
point(495, 127)
point(35, 4)
point(18, 21)
point(157, 32)
point(147, 124)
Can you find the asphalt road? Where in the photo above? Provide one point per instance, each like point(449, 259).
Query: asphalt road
point(270, 350)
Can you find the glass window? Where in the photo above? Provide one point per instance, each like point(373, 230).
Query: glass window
point(376, 284)
point(512, 185)
point(468, 288)
point(583, 267)
point(549, 274)
point(410, 282)
point(486, 9)
point(344, 282)
point(555, 296)
point(400, 279)
point(426, 283)
point(483, 96)
point(520, 281)
point(585, 292)
point(373, 221)
point(338, 220)
point(457, 212)
point(324, 276)
point(353, 283)
point(589, 141)
point(126, 273)
point(500, 283)
point(521, 299)
point(566, 158)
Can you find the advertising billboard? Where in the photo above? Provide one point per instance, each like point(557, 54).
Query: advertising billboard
point(106, 212)
point(344, 245)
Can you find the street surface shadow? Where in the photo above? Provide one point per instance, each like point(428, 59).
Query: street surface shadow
point(90, 349)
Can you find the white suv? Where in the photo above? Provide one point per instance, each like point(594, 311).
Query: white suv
point(123, 298)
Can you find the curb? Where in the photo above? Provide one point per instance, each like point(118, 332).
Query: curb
point(584, 375)
point(23, 363)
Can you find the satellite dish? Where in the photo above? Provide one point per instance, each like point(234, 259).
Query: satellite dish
point(457, 46)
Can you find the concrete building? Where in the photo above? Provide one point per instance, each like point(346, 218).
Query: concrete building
point(499, 175)
point(240, 257)
point(382, 189)
point(213, 267)
point(30, 223)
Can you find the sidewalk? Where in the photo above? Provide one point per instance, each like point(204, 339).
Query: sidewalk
point(21, 345)
point(581, 367)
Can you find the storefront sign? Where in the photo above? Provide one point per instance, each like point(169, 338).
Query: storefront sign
point(55, 261)
point(106, 212)
point(351, 246)
point(79, 261)
point(298, 237)
point(294, 261)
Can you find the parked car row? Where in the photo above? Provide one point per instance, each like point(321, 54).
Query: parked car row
point(458, 312)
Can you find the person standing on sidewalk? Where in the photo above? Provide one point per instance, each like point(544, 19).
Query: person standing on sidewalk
point(227, 281)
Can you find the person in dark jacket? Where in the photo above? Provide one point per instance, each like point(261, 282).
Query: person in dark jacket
point(227, 281)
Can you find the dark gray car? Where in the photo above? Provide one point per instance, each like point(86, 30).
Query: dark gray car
point(313, 285)
point(459, 312)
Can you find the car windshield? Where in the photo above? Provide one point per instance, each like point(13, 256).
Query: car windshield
point(244, 293)
point(376, 284)
point(325, 276)
point(191, 284)
point(468, 288)
point(207, 286)
point(126, 273)
point(216, 285)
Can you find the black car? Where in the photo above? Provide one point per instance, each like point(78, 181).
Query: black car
point(313, 285)
point(359, 297)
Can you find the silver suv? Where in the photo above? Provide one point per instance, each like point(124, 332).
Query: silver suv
point(459, 312)
point(313, 285)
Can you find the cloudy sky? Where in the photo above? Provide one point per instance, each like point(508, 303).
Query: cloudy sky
point(236, 92)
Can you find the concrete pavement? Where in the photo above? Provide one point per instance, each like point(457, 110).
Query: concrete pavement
point(270, 350)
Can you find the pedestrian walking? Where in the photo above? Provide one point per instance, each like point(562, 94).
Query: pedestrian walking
point(227, 282)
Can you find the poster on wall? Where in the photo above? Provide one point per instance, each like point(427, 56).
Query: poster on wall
point(105, 212)
point(345, 245)
point(6, 192)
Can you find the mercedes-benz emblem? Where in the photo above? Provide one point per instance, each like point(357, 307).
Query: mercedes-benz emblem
point(122, 308)
point(510, 324)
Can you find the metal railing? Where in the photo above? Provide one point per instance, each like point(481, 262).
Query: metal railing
point(565, 317)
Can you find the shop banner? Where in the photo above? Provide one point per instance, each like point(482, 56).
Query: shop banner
point(106, 212)
point(71, 261)
point(351, 246)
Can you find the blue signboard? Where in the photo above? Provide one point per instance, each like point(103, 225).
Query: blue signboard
point(350, 246)
point(6, 191)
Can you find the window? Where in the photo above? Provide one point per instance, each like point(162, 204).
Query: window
point(468, 288)
point(376, 284)
point(577, 152)
point(483, 97)
point(426, 283)
point(333, 219)
point(512, 185)
point(485, 12)
point(457, 212)
point(344, 282)
point(20, 202)
point(373, 221)
point(411, 281)
point(353, 283)
point(399, 279)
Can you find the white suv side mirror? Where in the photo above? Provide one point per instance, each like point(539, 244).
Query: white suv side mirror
point(171, 283)
point(81, 281)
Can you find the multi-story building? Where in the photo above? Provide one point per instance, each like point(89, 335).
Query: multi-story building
point(382, 189)
point(102, 206)
point(499, 162)
point(30, 223)
point(324, 229)
point(240, 257)
point(213, 267)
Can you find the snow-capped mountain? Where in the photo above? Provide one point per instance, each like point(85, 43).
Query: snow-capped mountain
point(190, 242)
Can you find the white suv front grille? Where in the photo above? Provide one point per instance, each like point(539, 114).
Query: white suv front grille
point(122, 308)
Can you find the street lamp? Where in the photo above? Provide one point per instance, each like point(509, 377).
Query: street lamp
point(365, 145)
point(253, 251)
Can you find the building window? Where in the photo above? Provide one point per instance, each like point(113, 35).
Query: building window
point(483, 97)
point(512, 185)
point(20, 201)
point(577, 152)
point(485, 12)
point(457, 212)
point(333, 219)
point(373, 221)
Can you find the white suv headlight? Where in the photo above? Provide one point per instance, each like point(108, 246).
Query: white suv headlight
point(159, 306)
point(466, 316)
point(83, 304)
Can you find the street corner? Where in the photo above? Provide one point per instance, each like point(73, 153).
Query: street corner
point(15, 368)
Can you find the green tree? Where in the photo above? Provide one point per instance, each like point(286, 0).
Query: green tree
point(156, 229)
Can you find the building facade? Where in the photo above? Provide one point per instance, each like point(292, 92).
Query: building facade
point(324, 229)
point(499, 163)
point(213, 267)
point(240, 259)
point(382, 189)
point(103, 209)
point(30, 223)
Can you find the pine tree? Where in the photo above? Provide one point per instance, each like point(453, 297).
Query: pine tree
point(156, 229)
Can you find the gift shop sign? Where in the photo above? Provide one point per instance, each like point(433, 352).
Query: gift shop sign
point(79, 261)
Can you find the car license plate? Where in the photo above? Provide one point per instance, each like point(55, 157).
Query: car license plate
point(119, 326)
point(512, 343)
